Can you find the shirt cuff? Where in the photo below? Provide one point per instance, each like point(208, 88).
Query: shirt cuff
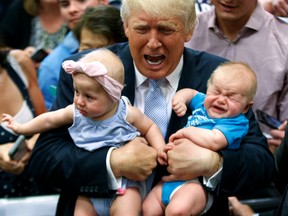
point(113, 182)
point(213, 181)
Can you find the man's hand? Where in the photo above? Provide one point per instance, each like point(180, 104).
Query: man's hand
point(8, 165)
point(187, 160)
point(278, 135)
point(136, 160)
point(236, 208)
point(278, 7)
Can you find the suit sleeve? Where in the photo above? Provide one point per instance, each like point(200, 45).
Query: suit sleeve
point(249, 168)
point(281, 161)
point(57, 161)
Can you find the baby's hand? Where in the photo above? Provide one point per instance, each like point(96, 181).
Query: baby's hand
point(13, 125)
point(7, 118)
point(162, 154)
point(179, 107)
point(178, 135)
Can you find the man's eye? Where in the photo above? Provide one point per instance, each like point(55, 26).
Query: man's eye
point(167, 31)
point(141, 30)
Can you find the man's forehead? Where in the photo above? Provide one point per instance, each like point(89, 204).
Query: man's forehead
point(144, 20)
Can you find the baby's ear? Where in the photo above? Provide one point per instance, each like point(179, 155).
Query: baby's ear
point(248, 106)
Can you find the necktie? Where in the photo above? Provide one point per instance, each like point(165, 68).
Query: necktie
point(156, 109)
point(155, 106)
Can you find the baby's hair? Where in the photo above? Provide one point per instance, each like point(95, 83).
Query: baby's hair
point(237, 71)
point(110, 60)
point(102, 20)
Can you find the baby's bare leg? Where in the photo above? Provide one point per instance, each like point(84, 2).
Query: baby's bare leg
point(84, 207)
point(152, 204)
point(190, 199)
point(128, 204)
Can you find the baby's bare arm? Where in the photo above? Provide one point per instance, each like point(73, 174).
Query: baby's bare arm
point(211, 139)
point(146, 126)
point(181, 99)
point(41, 123)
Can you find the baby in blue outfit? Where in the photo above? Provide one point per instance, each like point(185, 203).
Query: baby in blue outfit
point(217, 122)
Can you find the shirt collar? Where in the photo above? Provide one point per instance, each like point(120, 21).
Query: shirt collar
point(172, 78)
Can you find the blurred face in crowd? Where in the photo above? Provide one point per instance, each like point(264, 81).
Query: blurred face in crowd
point(156, 43)
point(234, 10)
point(72, 10)
point(91, 40)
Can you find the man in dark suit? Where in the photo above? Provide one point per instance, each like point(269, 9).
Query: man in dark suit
point(157, 31)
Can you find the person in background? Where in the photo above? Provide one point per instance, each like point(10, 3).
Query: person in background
point(217, 122)
point(275, 7)
point(48, 72)
point(202, 5)
point(115, 3)
point(280, 179)
point(32, 24)
point(99, 27)
point(21, 98)
point(107, 119)
point(232, 28)
point(155, 52)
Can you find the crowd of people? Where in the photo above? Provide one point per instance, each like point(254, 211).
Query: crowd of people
point(201, 63)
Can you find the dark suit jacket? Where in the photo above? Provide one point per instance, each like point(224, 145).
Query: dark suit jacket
point(281, 161)
point(281, 174)
point(57, 161)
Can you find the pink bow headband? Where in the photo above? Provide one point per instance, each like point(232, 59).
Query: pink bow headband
point(98, 71)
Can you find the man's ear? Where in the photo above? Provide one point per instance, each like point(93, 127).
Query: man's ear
point(188, 36)
point(126, 29)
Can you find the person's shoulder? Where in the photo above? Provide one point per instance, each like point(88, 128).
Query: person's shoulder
point(281, 24)
point(119, 48)
point(122, 50)
point(275, 23)
point(202, 56)
point(279, 29)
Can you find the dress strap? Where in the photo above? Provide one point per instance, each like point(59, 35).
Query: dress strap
point(21, 86)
